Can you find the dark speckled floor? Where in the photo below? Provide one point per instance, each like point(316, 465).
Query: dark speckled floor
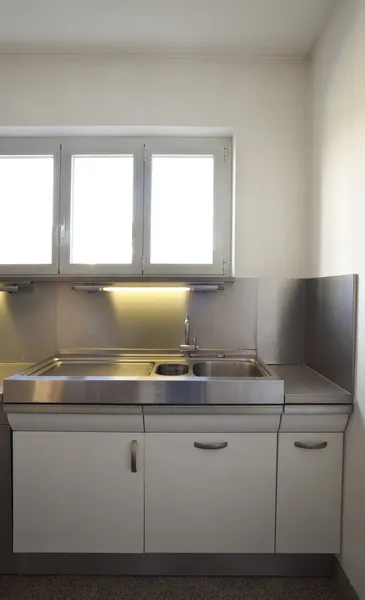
point(166, 588)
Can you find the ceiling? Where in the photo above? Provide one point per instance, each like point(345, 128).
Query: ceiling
point(280, 27)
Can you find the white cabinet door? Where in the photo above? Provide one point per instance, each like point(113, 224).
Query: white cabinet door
point(76, 492)
point(210, 500)
point(309, 493)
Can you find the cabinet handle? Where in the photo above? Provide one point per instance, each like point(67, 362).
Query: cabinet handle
point(134, 448)
point(214, 446)
point(311, 446)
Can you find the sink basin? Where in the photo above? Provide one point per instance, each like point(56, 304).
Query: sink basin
point(172, 369)
point(225, 368)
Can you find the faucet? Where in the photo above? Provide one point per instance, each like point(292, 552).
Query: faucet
point(188, 347)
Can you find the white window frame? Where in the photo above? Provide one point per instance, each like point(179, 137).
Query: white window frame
point(221, 149)
point(36, 147)
point(99, 146)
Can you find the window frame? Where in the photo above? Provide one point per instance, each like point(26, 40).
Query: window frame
point(221, 149)
point(99, 146)
point(19, 146)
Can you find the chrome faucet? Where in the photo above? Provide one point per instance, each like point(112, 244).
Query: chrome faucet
point(188, 347)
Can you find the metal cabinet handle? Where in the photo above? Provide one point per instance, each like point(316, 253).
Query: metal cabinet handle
point(214, 446)
point(134, 448)
point(309, 446)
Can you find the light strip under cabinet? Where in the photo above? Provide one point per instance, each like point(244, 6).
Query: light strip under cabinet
point(95, 288)
point(10, 288)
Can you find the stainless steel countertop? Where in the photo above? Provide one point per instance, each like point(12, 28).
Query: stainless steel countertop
point(11, 368)
point(302, 385)
point(6, 370)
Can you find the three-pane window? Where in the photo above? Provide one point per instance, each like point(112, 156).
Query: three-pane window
point(114, 206)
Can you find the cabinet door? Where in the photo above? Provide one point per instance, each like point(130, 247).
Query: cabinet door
point(309, 493)
point(76, 492)
point(210, 500)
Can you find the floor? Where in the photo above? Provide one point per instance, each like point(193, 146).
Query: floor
point(166, 588)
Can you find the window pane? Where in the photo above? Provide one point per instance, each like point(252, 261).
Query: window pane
point(182, 209)
point(26, 210)
point(102, 210)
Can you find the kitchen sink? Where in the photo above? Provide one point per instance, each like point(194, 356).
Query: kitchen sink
point(172, 369)
point(142, 377)
point(228, 368)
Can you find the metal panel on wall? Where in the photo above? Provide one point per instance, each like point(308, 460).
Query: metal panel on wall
point(281, 320)
point(226, 319)
point(222, 319)
point(331, 328)
point(119, 320)
point(28, 324)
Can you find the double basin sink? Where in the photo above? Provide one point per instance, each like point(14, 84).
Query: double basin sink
point(215, 368)
point(145, 378)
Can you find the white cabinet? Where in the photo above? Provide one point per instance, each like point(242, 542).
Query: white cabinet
point(127, 492)
point(78, 492)
point(210, 500)
point(309, 493)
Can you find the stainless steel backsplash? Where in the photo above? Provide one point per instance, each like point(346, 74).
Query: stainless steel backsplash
point(281, 320)
point(330, 332)
point(28, 324)
point(286, 320)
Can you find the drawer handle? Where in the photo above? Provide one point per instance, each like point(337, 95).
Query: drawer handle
point(309, 446)
point(214, 446)
point(134, 448)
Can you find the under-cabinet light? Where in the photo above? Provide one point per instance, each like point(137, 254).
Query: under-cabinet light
point(145, 289)
point(9, 288)
point(148, 288)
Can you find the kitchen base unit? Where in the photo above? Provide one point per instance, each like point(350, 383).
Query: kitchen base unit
point(309, 492)
point(210, 492)
point(130, 492)
point(78, 492)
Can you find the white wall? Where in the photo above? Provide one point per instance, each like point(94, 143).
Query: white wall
point(263, 102)
point(339, 233)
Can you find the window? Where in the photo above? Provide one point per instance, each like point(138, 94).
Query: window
point(111, 206)
point(102, 198)
point(188, 206)
point(102, 209)
point(182, 210)
point(28, 205)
